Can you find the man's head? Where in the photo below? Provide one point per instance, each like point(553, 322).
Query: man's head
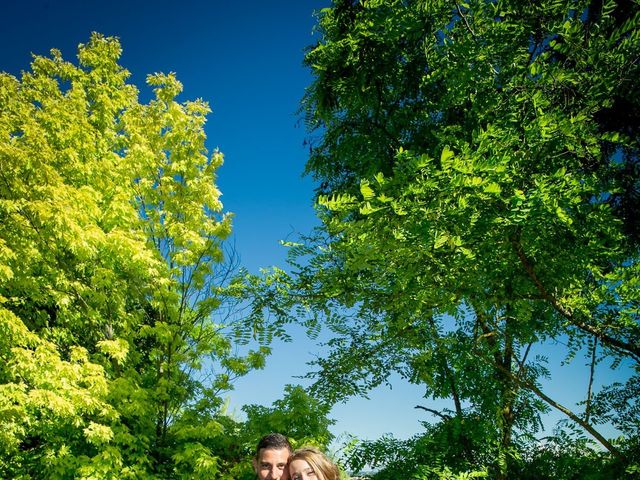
point(272, 453)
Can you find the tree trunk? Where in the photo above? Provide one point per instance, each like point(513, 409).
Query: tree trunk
point(464, 438)
point(502, 361)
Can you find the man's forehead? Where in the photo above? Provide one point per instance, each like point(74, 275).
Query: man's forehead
point(274, 455)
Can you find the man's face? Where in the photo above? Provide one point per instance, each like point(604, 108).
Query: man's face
point(271, 464)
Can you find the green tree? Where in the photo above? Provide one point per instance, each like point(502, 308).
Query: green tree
point(298, 415)
point(302, 417)
point(478, 169)
point(113, 347)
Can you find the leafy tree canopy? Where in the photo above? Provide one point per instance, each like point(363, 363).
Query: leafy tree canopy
point(479, 178)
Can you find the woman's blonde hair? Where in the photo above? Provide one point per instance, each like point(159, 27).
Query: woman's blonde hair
point(324, 468)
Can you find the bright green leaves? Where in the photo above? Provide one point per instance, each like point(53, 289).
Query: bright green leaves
point(62, 177)
point(198, 460)
point(167, 86)
point(98, 434)
point(445, 158)
point(493, 188)
point(366, 191)
point(115, 349)
point(60, 402)
point(111, 231)
point(176, 192)
point(100, 55)
point(337, 202)
point(74, 255)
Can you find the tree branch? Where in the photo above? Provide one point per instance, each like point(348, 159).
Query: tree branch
point(443, 416)
point(466, 23)
point(532, 387)
point(587, 410)
point(625, 347)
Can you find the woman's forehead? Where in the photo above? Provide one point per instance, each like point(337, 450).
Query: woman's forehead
point(300, 464)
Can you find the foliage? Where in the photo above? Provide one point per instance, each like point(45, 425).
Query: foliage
point(443, 444)
point(446, 474)
point(478, 169)
point(114, 347)
point(564, 456)
point(299, 416)
point(302, 416)
point(560, 456)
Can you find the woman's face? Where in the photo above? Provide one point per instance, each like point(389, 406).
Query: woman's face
point(300, 470)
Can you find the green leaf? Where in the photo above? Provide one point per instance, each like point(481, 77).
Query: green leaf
point(493, 188)
point(445, 157)
point(366, 190)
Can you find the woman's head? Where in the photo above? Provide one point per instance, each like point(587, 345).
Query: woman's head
point(309, 463)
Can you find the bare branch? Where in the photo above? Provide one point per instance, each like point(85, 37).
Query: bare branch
point(443, 416)
point(466, 23)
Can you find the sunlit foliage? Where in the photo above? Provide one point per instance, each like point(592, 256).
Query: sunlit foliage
point(112, 276)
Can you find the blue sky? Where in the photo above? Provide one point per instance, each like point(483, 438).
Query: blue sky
point(245, 59)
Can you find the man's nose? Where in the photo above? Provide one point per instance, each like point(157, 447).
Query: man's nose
point(275, 473)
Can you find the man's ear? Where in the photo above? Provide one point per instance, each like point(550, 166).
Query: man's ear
point(255, 464)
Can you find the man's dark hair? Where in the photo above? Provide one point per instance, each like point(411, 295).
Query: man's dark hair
point(274, 441)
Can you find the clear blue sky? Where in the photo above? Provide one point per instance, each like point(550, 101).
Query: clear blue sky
point(245, 59)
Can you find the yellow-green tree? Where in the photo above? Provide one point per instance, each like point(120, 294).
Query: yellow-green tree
point(111, 271)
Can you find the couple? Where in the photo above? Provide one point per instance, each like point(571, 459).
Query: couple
point(276, 460)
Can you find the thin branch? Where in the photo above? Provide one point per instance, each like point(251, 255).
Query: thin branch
point(524, 383)
point(624, 347)
point(587, 411)
point(532, 387)
point(443, 416)
point(466, 23)
point(521, 363)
